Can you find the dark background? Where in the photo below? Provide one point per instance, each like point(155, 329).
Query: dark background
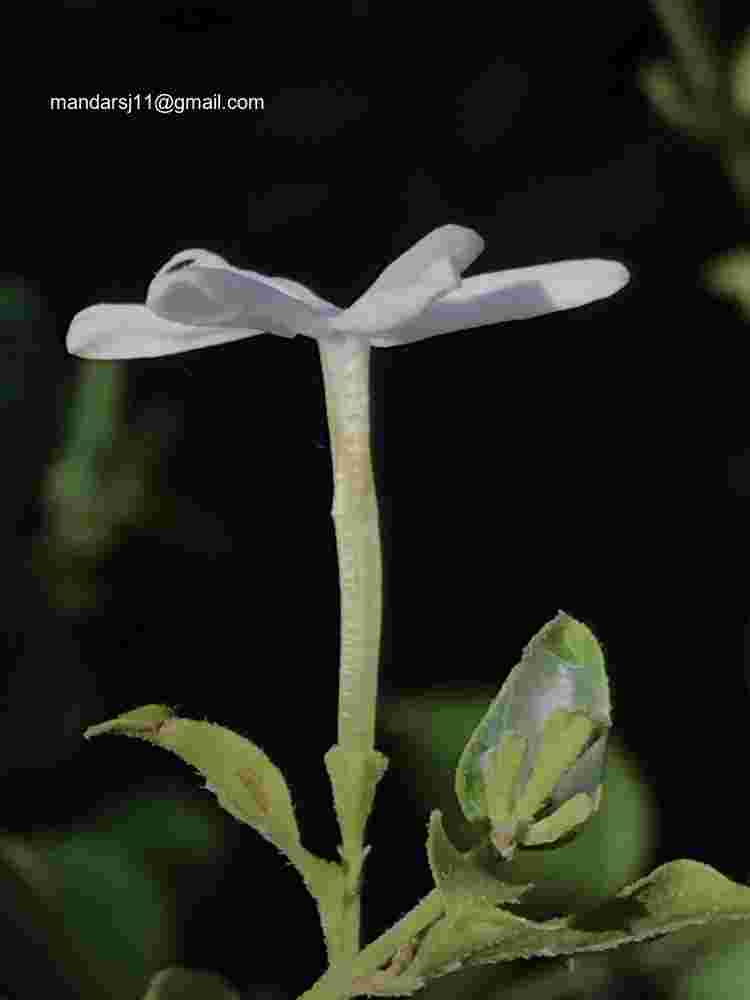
point(569, 463)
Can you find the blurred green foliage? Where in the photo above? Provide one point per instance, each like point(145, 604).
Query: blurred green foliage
point(115, 909)
point(187, 984)
point(19, 301)
point(704, 92)
point(112, 885)
point(101, 485)
point(729, 275)
point(107, 482)
point(722, 975)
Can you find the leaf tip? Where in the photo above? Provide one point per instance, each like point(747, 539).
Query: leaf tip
point(144, 722)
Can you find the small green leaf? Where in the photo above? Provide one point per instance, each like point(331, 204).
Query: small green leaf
point(252, 789)
point(465, 937)
point(685, 892)
point(466, 878)
point(247, 784)
point(189, 984)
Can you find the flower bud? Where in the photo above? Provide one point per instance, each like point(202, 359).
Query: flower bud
point(534, 765)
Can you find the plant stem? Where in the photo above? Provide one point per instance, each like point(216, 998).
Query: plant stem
point(336, 983)
point(346, 370)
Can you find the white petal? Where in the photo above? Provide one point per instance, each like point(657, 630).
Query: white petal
point(301, 292)
point(585, 775)
point(133, 331)
point(387, 310)
point(228, 296)
point(187, 257)
point(460, 244)
point(517, 294)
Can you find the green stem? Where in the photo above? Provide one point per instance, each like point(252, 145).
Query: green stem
point(336, 983)
point(346, 369)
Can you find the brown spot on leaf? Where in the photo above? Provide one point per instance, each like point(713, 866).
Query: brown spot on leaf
point(251, 780)
point(165, 728)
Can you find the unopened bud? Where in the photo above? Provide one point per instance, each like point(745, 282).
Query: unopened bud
point(534, 765)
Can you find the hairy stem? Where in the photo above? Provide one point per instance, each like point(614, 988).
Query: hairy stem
point(340, 981)
point(346, 369)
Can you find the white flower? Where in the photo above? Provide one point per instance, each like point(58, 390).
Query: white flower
point(197, 299)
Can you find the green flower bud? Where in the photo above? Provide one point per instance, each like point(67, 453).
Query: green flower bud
point(534, 766)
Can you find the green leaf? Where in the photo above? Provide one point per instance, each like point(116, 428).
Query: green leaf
point(681, 893)
point(676, 895)
point(250, 787)
point(467, 878)
point(247, 784)
point(189, 984)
